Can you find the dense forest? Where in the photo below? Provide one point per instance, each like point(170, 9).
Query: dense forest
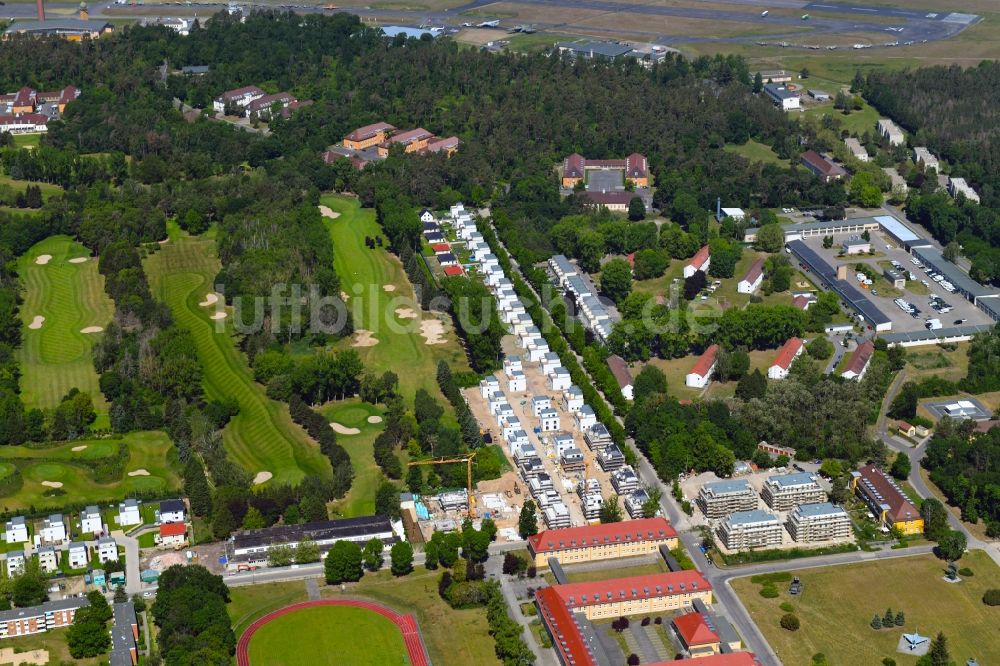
point(955, 112)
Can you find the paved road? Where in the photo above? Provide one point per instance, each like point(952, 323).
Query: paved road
point(133, 582)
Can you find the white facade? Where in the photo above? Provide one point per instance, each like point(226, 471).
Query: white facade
point(15, 563)
point(550, 362)
point(698, 380)
point(53, 529)
point(48, 559)
point(107, 550)
point(559, 379)
point(16, 530)
point(516, 382)
point(90, 521)
point(426, 216)
point(572, 399)
point(585, 418)
point(78, 556)
point(513, 363)
point(890, 131)
point(509, 425)
point(489, 386)
point(747, 287)
point(550, 420)
point(539, 404)
point(958, 186)
point(503, 411)
point(779, 369)
point(128, 513)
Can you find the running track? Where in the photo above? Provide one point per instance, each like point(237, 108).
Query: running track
point(406, 623)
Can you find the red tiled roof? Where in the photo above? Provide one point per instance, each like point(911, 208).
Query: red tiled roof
point(700, 257)
point(705, 362)
point(443, 144)
point(788, 352)
point(821, 164)
point(755, 271)
point(635, 166)
point(239, 92)
point(903, 425)
point(24, 119)
point(24, 97)
point(801, 302)
point(650, 586)
point(368, 131)
point(452, 271)
point(551, 541)
point(410, 136)
point(694, 630)
point(619, 368)
point(728, 659)
point(268, 100)
point(561, 624)
point(68, 94)
point(441, 247)
point(573, 166)
point(172, 529)
point(900, 508)
point(860, 357)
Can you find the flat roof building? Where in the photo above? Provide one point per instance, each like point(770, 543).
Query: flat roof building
point(890, 131)
point(745, 530)
point(783, 492)
point(924, 159)
point(594, 50)
point(821, 521)
point(785, 97)
point(720, 498)
point(932, 257)
point(958, 186)
point(857, 149)
point(602, 542)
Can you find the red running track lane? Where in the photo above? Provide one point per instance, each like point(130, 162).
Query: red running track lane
point(407, 626)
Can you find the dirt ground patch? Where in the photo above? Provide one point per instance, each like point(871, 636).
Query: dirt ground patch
point(9, 656)
point(480, 37)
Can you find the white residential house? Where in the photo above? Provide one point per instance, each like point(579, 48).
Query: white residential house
point(586, 418)
point(517, 382)
point(128, 513)
point(530, 333)
point(172, 511)
point(15, 563)
point(519, 440)
point(753, 278)
point(925, 159)
point(78, 555)
point(550, 420)
point(550, 362)
point(958, 186)
point(572, 399)
point(426, 216)
point(539, 404)
point(790, 351)
point(509, 426)
point(496, 399)
point(537, 349)
point(107, 550)
point(48, 559)
point(563, 441)
point(559, 379)
point(890, 131)
point(240, 97)
point(701, 373)
point(489, 386)
point(90, 521)
point(53, 529)
point(512, 363)
point(857, 149)
point(503, 411)
point(16, 530)
point(701, 261)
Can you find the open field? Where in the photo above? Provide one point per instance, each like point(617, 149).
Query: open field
point(53, 642)
point(857, 122)
point(757, 152)
point(27, 140)
point(438, 622)
point(360, 500)
point(48, 189)
point(837, 623)
point(934, 361)
point(70, 296)
point(151, 451)
point(364, 275)
point(250, 602)
point(262, 437)
point(327, 635)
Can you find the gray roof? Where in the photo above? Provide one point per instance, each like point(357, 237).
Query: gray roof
point(793, 479)
point(602, 49)
point(17, 520)
point(171, 505)
point(57, 25)
point(344, 528)
point(938, 334)
point(71, 603)
point(130, 502)
point(932, 257)
point(819, 509)
point(77, 544)
point(55, 518)
point(122, 638)
point(195, 69)
point(563, 264)
point(779, 91)
point(755, 516)
point(847, 291)
point(727, 487)
point(92, 509)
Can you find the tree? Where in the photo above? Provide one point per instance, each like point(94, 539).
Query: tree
point(770, 238)
point(938, 651)
point(402, 558)
point(649, 381)
point(900, 467)
point(820, 348)
point(313, 509)
point(633, 660)
point(935, 518)
point(616, 280)
point(751, 386)
point(489, 527)
point(611, 510)
point(888, 619)
point(387, 500)
point(758, 83)
point(196, 488)
point(513, 564)
point(651, 506)
point(280, 555)
point(650, 263)
point(527, 523)
point(30, 588)
point(804, 74)
point(876, 622)
point(951, 250)
point(790, 622)
point(827, 242)
point(372, 554)
point(732, 365)
point(694, 284)
point(253, 520)
point(900, 619)
point(839, 491)
point(307, 551)
point(190, 610)
point(120, 595)
point(415, 479)
point(636, 209)
point(951, 545)
point(343, 563)
point(831, 468)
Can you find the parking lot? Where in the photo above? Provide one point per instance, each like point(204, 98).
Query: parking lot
point(605, 180)
point(886, 251)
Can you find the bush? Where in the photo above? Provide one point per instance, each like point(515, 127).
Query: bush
point(789, 622)
point(769, 591)
point(787, 607)
point(992, 597)
point(965, 572)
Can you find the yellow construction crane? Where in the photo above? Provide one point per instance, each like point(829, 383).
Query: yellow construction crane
point(468, 465)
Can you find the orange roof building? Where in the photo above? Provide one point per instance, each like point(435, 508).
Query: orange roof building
point(886, 500)
point(368, 136)
point(602, 542)
point(699, 639)
point(789, 351)
point(701, 261)
point(702, 371)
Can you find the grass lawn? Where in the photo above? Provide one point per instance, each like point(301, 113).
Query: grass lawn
point(856, 122)
point(151, 451)
point(363, 274)
point(147, 540)
point(27, 140)
point(57, 357)
point(329, 635)
point(54, 642)
point(440, 625)
point(262, 437)
point(48, 189)
point(912, 584)
point(250, 602)
point(928, 361)
point(757, 152)
point(620, 572)
point(360, 500)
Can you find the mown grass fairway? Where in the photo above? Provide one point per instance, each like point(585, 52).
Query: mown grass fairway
point(70, 296)
point(262, 437)
point(48, 189)
point(360, 500)
point(149, 451)
point(837, 605)
point(334, 635)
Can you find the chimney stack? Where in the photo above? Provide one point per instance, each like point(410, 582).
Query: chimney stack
point(41, 10)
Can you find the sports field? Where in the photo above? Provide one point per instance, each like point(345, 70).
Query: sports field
point(262, 437)
point(837, 605)
point(334, 635)
point(60, 300)
point(354, 414)
point(151, 465)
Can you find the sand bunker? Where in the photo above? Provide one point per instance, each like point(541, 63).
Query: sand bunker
point(139, 472)
point(52, 484)
point(374, 418)
point(406, 313)
point(36, 323)
point(92, 329)
point(219, 315)
point(262, 477)
point(9, 656)
point(364, 339)
point(433, 331)
point(76, 449)
point(389, 287)
point(326, 212)
point(164, 241)
point(340, 428)
point(43, 259)
point(78, 260)
point(210, 299)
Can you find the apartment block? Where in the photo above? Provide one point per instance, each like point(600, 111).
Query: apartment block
point(819, 522)
point(783, 492)
point(744, 530)
point(721, 498)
